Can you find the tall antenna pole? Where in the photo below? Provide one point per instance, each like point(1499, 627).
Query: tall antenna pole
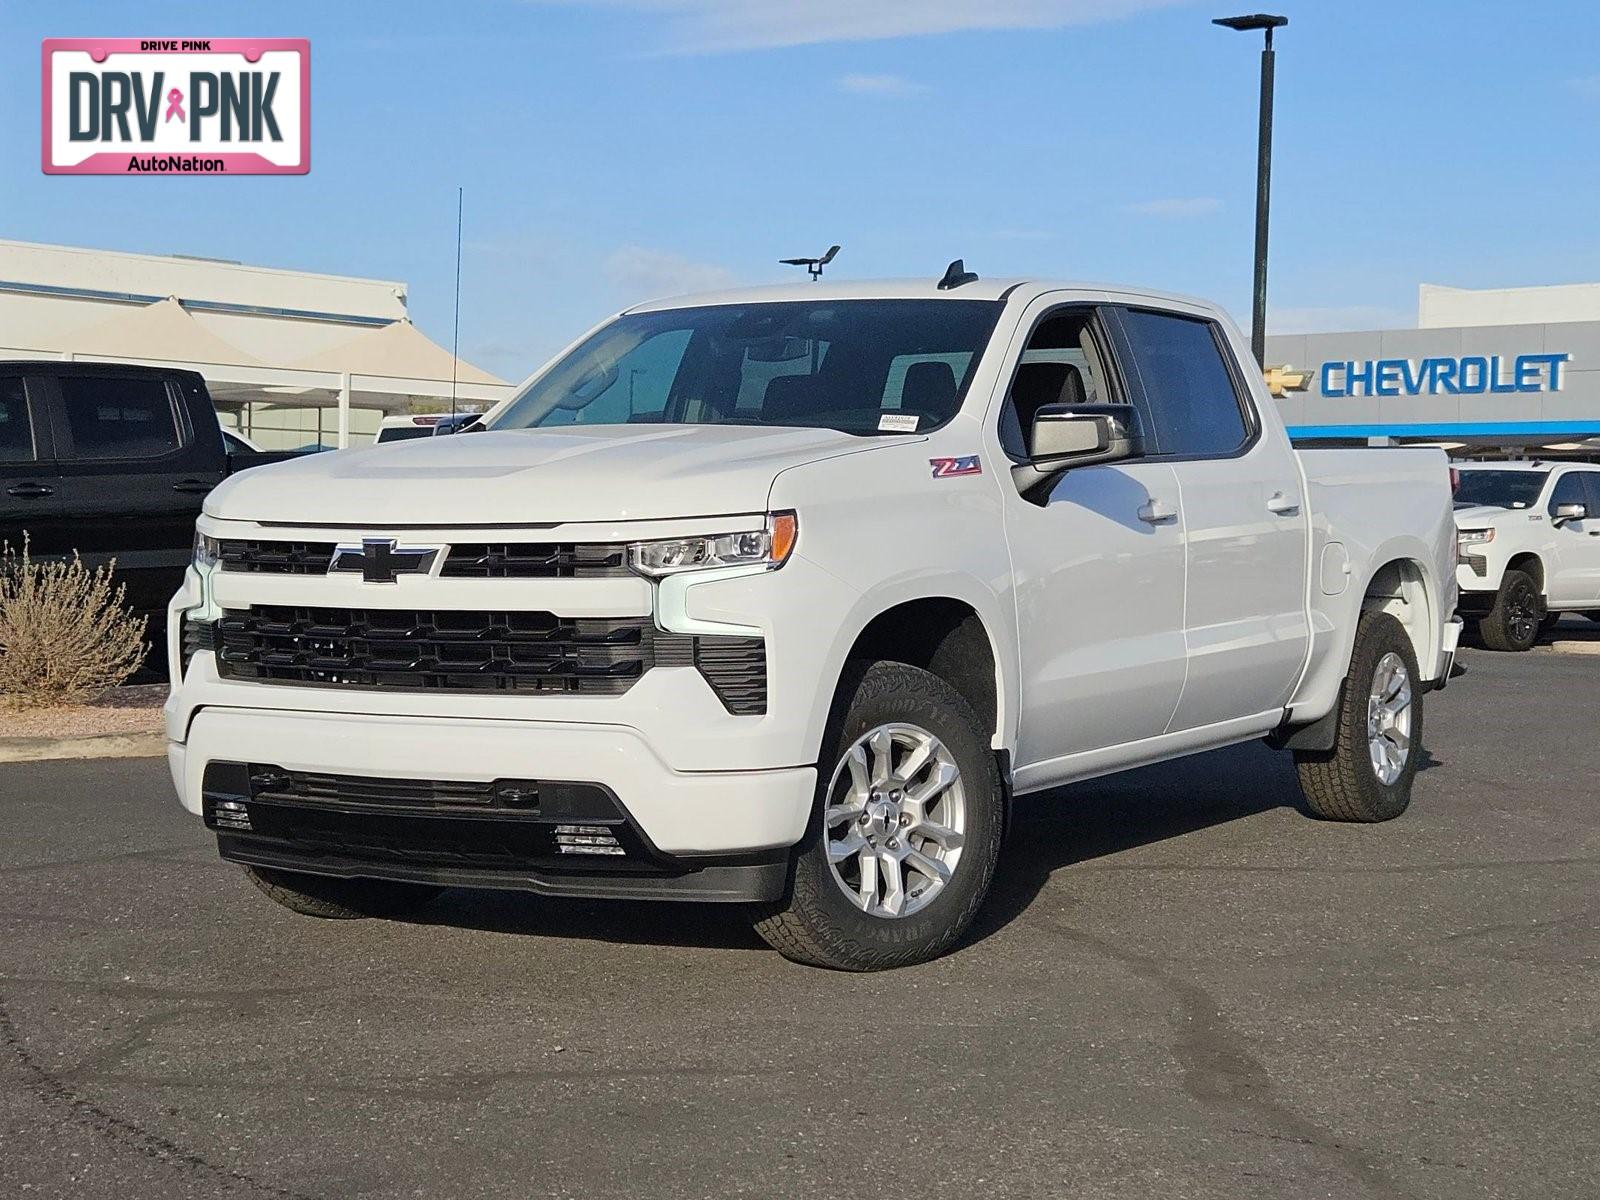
point(455, 343)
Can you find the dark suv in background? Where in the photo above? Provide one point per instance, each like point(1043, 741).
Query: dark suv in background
point(112, 462)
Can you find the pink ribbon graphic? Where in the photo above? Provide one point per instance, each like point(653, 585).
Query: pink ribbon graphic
point(175, 106)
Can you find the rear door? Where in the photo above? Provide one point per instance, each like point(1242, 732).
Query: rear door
point(1245, 620)
point(30, 506)
point(133, 474)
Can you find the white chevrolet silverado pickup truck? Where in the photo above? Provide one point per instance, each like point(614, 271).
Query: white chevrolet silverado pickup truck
point(780, 596)
point(1530, 547)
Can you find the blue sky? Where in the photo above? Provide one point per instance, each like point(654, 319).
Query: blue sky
point(617, 149)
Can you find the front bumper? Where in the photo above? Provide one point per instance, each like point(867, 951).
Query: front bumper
point(691, 828)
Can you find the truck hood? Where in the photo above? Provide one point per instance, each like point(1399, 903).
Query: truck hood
point(534, 476)
point(1480, 516)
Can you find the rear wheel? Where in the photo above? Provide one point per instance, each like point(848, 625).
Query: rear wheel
point(911, 811)
point(340, 899)
point(1367, 775)
point(1513, 622)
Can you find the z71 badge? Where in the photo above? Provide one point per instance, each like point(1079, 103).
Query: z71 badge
point(946, 468)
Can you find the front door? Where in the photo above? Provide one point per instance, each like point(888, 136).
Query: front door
point(1573, 573)
point(30, 504)
point(1098, 566)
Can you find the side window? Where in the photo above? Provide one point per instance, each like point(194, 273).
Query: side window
point(636, 388)
point(1061, 364)
point(1568, 490)
point(1592, 479)
point(16, 431)
point(1194, 406)
point(119, 418)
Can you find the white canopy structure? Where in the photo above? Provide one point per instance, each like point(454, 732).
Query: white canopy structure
point(263, 338)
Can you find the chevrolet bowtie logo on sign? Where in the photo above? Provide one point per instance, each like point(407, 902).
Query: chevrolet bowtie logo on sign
point(379, 559)
point(213, 106)
point(1285, 379)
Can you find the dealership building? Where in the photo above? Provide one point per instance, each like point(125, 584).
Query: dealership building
point(292, 359)
point(1512, 371)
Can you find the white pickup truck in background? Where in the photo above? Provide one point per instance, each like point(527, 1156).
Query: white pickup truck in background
point(779, 596)
point(1530, 547)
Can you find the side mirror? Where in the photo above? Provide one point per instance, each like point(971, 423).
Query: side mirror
point(1075, 435)
point(1569, 512)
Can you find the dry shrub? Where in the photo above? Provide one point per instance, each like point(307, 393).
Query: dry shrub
point(66, 635)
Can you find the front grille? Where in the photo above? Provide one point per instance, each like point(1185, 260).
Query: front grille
point(275, 558)
point(466, 560)
point(422, 651)
point(534, 560)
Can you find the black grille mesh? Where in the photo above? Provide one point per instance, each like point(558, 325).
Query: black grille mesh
point(466, 560)
point(420, 651)
point(409, 650)
point(275, 558)
point(533, 560)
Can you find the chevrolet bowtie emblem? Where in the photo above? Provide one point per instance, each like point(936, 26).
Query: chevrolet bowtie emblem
point(1286, 379)
point(380, 559)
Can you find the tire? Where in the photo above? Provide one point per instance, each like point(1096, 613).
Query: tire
point(1344, 784)
point(340, 899)
point(885, 711)
point(1513, 622)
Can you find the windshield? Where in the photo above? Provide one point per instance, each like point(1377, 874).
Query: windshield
point(859, 366)
point(1503, 489)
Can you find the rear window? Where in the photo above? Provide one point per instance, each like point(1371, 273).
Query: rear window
point(119, 418)
point(16, 431)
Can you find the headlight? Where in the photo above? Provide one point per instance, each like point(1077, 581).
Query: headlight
point(1474, 537)
point(769, 547)
point(206, 551)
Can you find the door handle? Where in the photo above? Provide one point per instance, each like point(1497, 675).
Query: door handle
point(30, 490)
point(193, 485)
point(1155, 512)
point(1285, 506)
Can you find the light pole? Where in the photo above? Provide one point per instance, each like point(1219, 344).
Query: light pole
point(1258, 308)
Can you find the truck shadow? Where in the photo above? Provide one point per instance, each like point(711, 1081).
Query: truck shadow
point(1051, 831)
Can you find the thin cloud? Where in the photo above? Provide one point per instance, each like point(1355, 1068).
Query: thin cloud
point(708, 26)
point(1177, 208)
point(880, 85)
point(640, 273)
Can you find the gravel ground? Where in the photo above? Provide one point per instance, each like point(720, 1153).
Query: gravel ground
point(1182, 987)
point(124, 710)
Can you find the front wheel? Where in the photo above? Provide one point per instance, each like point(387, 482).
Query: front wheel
point(1367, 775)
point(1513, 622)
point(910, 816)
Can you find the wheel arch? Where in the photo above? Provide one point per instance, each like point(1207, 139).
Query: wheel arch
point(1530, 562)
point(1401, 588)
point(951, 637)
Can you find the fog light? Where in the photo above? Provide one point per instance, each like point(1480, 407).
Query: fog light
point(231, 814)
point(586, 839)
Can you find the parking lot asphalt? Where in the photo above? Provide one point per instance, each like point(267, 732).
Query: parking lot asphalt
point(1183, 987)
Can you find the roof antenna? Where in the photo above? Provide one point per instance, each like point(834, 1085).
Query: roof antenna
point(455, 341)
point(812, 265)
point(955, 275)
